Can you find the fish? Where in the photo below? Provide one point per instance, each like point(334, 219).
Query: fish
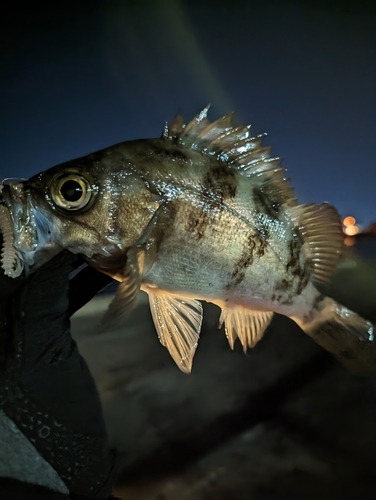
point(202, 213)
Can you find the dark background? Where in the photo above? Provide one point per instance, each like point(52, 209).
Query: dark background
point(77, 77)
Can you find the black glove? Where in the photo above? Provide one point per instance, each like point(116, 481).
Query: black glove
point(46, 388)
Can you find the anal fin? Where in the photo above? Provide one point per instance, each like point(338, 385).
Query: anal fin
point(178, 324)
point(246, 324)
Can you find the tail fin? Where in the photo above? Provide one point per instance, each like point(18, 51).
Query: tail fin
point(346, 335)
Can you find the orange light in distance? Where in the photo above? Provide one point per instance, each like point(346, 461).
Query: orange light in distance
point(351, 230)
point(349, 241)
point(349, 221)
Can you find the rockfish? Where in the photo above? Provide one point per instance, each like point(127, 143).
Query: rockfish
point(203, 213)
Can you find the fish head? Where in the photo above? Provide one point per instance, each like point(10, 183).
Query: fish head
point(81, 206)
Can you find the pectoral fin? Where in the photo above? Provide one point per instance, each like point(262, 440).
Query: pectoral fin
point(126, 295)
point(178, 324)
point(248, 325)
point(139, 260)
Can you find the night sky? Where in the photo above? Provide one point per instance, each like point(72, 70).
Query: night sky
point(77, 79)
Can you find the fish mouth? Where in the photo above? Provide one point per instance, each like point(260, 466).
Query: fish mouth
point(25, 229)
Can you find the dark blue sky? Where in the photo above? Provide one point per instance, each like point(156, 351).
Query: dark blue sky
point(74, 80)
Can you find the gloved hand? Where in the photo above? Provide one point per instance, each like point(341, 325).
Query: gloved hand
point(52, 431)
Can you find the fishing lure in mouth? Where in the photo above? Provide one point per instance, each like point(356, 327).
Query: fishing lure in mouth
point(202, 213)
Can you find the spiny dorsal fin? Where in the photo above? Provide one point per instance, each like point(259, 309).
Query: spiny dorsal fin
point(248, 325)
point(320, 227)
point(178, 324)
point(235, 147)
point(176, 127)
point(199, 123)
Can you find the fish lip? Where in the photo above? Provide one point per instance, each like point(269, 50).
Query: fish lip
point(33, 230)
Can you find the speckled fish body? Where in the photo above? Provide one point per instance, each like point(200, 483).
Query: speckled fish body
point(202, 213)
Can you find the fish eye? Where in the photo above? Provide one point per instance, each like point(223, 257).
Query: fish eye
point(71, 191)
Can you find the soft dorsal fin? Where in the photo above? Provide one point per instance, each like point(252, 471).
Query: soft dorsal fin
point(321, 229)
point(235, 147)
point(178, 324)
point(248, 325)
